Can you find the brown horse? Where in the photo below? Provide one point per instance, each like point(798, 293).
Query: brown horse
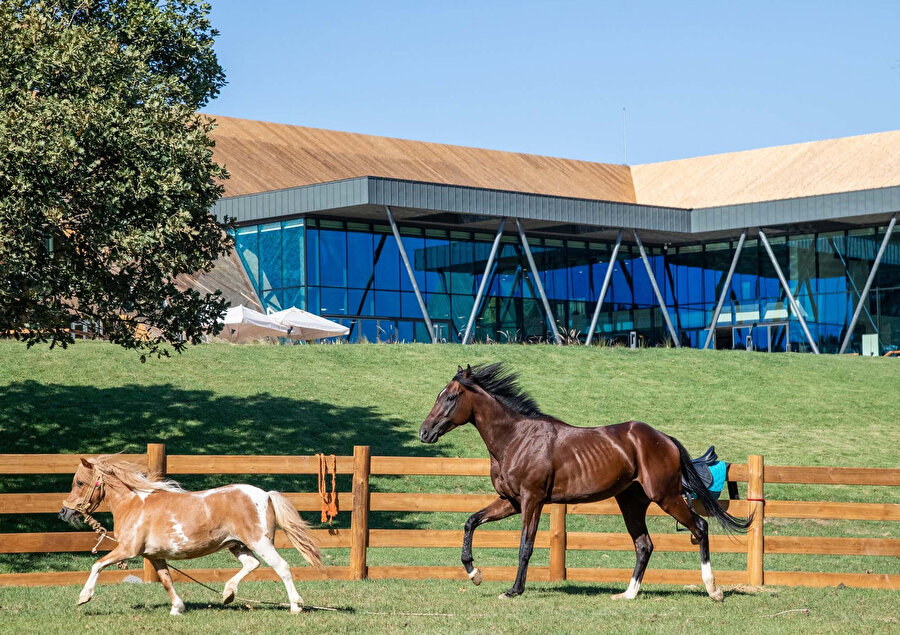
point(537, 459)
point(159, 520)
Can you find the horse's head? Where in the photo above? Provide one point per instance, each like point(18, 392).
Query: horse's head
point(452, 408)
point(87, 492)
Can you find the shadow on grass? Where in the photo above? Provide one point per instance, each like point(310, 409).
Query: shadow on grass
point(603, 589)
point(51, 418)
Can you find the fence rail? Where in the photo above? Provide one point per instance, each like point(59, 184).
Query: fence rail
point(361, 503)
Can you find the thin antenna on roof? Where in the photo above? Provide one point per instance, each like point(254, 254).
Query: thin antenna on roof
point(624, 135)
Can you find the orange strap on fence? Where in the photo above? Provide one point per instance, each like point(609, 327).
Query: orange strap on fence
point(329, 500)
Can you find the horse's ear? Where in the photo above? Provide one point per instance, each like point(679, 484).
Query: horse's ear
point(468, 372)
point(87, 463)
point(458, 370)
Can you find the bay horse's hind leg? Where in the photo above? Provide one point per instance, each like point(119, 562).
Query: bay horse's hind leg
point(499, 509)
point(633, 503)
point(675, 506)
point(249, 562)
point(266, 550)
point(165, 578)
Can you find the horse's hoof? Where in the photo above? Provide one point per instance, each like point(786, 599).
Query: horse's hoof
point(176, 610)
point(295, 610)
point(622, 596)
point(476, 577)
point(83, 599)
point(507, 595)
point(717, 595)
point(227, 596)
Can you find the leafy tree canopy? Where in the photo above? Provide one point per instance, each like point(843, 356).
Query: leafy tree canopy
point(106, 170)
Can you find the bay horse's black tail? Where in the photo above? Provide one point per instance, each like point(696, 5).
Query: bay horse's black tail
point(695, 484)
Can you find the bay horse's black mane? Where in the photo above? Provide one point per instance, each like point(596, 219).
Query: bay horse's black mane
point(503, 386)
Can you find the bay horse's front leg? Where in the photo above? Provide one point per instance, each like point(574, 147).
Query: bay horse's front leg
point(118, 554)
point(499, 509)
point(531, 516)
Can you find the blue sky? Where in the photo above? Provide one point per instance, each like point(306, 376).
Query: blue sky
point(552, 77)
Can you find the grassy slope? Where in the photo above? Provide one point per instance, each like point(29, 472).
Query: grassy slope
point(794, 409)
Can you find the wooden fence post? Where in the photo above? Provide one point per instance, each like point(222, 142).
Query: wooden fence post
point(156, 470)
point(359, 516)
point(557, 542)
point(757, 509)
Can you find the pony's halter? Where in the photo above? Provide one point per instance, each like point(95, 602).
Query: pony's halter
point(87, 504)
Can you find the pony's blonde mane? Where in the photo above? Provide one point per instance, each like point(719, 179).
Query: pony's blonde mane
point(132, 475)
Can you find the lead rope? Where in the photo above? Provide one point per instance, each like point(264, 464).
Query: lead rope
point(329, 501)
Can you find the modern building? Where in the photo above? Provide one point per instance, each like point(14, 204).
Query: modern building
point(781, 249)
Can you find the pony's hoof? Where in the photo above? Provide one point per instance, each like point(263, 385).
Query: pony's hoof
point(296, 610)
point(507, 595)
point(176, 610)
point(227, 596)
point(476, 577)
point(84, 598)
point(717, 595)
point(622, 596)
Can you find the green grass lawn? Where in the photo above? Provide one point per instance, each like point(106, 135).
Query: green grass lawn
point(378, 607)
point(221, 399)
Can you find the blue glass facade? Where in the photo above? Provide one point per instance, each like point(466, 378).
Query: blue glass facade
point(352, 272)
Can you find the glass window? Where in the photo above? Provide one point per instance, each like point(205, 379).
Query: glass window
point(405, 331)
point(409, 305)
point(247, 247)
point(334, 301)
point(387, 303)
point(294, 296)
point(270, 255)
point(292, 253)
point(411, 244)
point(333, 247)
point(312, 256)
point(361, 302)
point(387, 269)
point(360, 259)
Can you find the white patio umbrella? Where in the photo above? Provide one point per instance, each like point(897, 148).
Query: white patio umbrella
point(308, 326)
point(243, 324)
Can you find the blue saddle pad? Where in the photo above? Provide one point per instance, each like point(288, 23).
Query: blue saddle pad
point(712, 471)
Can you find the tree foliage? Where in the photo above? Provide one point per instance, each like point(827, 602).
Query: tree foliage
point(106, 170)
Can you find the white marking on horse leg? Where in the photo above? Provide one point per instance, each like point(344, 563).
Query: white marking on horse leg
point(88, 591)
point(177, 605)
point(249, 562)
point(267, 552)
point(710, 581)
point(631, 592)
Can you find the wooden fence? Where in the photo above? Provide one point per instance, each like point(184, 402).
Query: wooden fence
point(558, 540)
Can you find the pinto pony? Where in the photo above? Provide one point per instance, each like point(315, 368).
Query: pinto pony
point(159, 520)
point(537, 459)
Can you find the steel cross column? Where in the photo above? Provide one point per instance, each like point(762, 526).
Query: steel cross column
point(787, 290)
point(412, 275)
point(484, 281)
point(659, 298)
point(537, 282)
point(604, 288)
point(724, 294)
point(865, 291)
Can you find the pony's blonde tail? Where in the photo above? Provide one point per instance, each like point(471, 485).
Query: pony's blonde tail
point(296, 529)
